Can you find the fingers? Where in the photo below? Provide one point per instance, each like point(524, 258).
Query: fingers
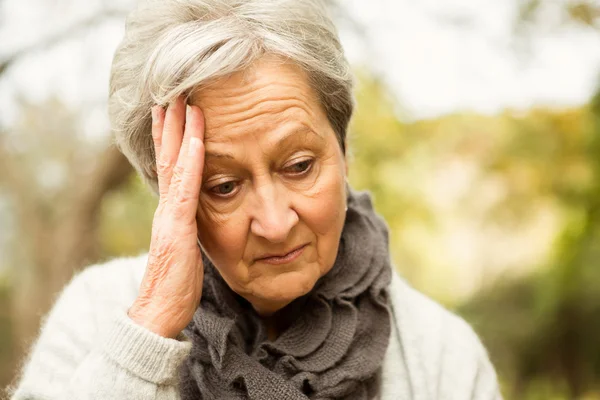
point(178, 135)
point(188, 192)
point(194, 127)
point(158, 119)
point(182, 153)
point(187, 176)
point(170, 143)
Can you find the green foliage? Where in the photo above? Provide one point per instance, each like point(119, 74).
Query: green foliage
point(542, 328)
point(545, 328)
point(6, 339)
point(126, 220)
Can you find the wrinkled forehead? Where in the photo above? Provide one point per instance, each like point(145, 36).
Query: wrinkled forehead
point(270, 96)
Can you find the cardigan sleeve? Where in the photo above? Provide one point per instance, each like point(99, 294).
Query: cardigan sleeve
point(82, 355)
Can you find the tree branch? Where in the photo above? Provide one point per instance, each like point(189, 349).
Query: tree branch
point(77, 232)
point(59, 36)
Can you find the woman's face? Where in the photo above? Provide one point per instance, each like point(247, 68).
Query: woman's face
point(273, 180)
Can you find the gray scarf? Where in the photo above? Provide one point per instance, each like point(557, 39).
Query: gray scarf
point(333, 339)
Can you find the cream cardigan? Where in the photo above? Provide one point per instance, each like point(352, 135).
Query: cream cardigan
point(89, 349)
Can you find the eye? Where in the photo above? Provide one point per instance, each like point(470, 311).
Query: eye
point(300, 167)
point(224, 189)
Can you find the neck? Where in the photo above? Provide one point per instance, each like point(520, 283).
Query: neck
point(272, 328)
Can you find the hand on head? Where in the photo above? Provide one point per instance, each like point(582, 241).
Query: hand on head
point(172, 285)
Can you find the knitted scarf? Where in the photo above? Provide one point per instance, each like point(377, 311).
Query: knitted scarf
point(335, 339)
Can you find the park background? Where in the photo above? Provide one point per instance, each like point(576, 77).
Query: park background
point(477, 131)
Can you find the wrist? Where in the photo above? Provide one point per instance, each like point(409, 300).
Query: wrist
point(152, 320)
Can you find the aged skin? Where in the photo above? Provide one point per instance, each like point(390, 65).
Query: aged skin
point(274, 180)
point(253, 169)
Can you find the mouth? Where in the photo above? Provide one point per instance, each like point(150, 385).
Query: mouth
point(284, 259)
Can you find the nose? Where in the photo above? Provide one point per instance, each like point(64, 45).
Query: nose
point(273, 218)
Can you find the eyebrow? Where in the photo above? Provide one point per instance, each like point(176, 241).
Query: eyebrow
point(285, 137)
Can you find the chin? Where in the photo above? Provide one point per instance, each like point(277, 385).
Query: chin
point(280, 290)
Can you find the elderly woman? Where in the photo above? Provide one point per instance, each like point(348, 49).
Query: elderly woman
point(267, 276)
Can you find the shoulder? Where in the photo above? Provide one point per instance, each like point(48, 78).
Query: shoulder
point(97, 290)
point(123, 271)
point(440, 353)
point(112, 282)
point(87, 343)
point(427, 323)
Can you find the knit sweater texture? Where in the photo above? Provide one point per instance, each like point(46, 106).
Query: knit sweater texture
point(89, 349)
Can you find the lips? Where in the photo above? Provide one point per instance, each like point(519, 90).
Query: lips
point(283, 258)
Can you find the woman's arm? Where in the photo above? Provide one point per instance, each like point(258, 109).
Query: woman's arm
point(90, 349)
point(134, 354)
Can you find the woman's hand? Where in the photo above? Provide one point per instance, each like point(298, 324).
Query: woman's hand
point(172, 285)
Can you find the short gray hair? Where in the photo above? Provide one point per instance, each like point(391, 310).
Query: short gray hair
point(174, 47)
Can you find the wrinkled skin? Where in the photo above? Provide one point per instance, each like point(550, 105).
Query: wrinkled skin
point(268, 176)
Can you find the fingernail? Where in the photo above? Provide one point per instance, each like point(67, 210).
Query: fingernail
point(188, 111)
point(154, 113)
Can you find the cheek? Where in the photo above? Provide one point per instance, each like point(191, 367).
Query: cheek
point(326, 207)
point(323, 213)
point(223, 239)
point(329, 194)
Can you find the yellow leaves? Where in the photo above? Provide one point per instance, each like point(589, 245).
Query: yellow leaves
point(469, 186)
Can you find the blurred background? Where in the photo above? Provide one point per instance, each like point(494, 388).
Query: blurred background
point(477, 131)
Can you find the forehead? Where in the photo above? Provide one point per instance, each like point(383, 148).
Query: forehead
point(270, 96)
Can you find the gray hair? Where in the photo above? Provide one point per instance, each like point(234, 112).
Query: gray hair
point(174, 47)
